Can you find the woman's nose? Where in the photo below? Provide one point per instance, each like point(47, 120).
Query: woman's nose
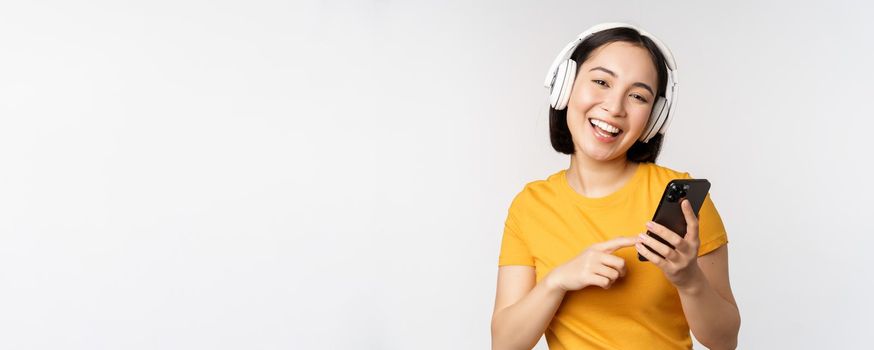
point(613, 104)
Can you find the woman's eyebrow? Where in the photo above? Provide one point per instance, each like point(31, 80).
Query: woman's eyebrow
point(639, 84)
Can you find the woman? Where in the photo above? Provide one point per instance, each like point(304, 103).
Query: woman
point(568, 264)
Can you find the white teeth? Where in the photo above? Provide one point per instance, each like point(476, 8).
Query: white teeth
point(604, 126)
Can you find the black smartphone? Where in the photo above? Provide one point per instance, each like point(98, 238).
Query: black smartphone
point(669, 212)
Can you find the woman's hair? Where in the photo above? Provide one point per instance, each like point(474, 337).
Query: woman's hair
point(559, 133)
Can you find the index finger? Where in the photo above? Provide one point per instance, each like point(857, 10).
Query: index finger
point(691, 219)
point(614, 244)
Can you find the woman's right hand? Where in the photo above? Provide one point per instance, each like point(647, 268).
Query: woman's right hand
point(595, 266)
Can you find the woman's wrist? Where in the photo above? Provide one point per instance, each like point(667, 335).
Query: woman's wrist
point(695, 283)
point(551, 283)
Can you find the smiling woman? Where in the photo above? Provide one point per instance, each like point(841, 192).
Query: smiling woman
point(566, 268)
point(639, 151)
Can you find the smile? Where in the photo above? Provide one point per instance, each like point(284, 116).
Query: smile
point(604, 129)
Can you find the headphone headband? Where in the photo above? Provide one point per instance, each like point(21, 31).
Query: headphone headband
point(569, 49)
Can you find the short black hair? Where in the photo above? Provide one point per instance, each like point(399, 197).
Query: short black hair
point(560, 135)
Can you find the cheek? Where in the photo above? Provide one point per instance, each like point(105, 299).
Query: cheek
point(583, 92)
point(584, 98)
point(639, 117)
point(578, 106)
point(574, 120)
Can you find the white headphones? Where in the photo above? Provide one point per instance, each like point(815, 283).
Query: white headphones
point(563, 70)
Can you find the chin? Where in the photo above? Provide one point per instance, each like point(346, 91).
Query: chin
point(597, 151)
point(599, 155)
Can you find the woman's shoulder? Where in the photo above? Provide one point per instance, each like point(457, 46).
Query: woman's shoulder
point(540, 189)
point(664, 174)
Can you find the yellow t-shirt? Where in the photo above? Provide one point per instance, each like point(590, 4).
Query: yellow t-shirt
point(549, 223)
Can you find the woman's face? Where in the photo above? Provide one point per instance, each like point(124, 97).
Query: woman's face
point(616, 85)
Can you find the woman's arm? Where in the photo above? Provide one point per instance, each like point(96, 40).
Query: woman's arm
point(523, 310)
point(702, 282)
point(710, 308)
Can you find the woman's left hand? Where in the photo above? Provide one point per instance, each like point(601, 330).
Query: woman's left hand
point(680, 264)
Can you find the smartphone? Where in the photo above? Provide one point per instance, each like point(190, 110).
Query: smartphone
point(669, 213)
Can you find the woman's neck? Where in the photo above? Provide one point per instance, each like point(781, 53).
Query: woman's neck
point(597, 178)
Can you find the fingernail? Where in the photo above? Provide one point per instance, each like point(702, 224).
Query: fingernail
point(649, 224)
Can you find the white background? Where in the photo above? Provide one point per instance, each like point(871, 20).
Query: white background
point(335, 175)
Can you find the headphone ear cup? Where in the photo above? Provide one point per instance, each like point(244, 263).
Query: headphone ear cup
point(655, 119)
point(561, 87)
point(660, 125)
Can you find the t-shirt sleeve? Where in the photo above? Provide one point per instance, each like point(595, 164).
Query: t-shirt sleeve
point(514, 251)
point(711, 231)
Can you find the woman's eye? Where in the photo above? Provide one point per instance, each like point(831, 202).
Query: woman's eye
point(639, 98)
point(600, 82)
